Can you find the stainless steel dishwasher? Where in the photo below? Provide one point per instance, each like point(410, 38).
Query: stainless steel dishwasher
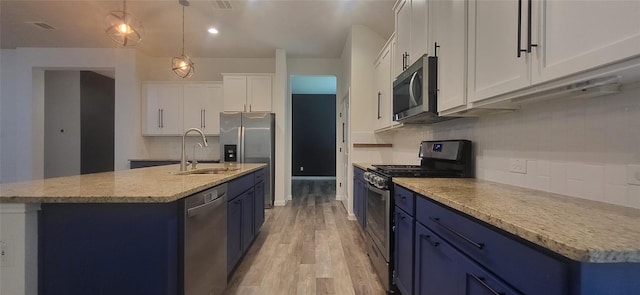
point(204, 248)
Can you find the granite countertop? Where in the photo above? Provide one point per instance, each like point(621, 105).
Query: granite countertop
point(579, 229)
point(363, 166)
point(144, 185)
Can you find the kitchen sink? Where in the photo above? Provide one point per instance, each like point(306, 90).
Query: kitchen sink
point(214, 170)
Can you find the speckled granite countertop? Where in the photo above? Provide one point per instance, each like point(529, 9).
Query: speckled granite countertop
point(145, 185)
point(579, 229)
point(363, 166)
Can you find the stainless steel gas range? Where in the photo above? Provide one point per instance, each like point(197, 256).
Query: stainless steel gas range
point(446, 159)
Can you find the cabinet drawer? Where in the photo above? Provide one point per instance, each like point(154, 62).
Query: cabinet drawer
point(239, 185)
point(404, 199)
point(526, 268)
point(259, 175)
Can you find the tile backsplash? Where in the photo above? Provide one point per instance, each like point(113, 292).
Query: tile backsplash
point(169, 147)
point(580, 147)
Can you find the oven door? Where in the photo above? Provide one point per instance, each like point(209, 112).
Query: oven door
point(378, 224)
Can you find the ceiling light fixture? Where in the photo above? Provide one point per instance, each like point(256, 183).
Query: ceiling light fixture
point(213, 31)
point(182, 65)
point(123, 28)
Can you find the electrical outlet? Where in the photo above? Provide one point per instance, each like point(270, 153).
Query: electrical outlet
point(5, 252)
point(633, 174)
point(518, 166)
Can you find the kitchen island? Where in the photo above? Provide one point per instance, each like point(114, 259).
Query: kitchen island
point(118, 232)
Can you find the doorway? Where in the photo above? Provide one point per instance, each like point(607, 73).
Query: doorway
point(79, 122)
point(313, 140)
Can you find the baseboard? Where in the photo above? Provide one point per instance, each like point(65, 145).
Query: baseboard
point(280, 203)
point(351, 216)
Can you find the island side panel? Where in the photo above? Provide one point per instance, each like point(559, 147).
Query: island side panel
point(108, 249)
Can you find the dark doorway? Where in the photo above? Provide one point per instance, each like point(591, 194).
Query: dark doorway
point(313, 135)
point(97, 103)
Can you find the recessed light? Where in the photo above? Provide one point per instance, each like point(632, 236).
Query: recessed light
point(213, 31)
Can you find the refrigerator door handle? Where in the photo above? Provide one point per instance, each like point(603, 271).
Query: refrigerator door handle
point(242, 141)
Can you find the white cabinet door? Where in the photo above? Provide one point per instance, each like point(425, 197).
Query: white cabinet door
point(493, 65)
point(202, 107)
point(382, 76)
point(164, 107)
point(259, 94)
point(419, 29)
point(580, 35)
point(235, 93)
point(403, 36)
point(448, 29)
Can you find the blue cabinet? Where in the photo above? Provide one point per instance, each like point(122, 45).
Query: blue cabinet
point(234, 230)
point(259, 206)
point(245, 215)
point(359, 196)
point(403, 255)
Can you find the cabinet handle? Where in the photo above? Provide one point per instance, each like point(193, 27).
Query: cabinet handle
point(403, 198)
point(244, 108)
point(342, 132)
point(520, 50)
point(204, 118)
point(428, 238)
point(159, 118)
point(482, 282)
point(379, 93)
point(249, 107)
point(435, 49)
point(437, 221)
point(529, 22)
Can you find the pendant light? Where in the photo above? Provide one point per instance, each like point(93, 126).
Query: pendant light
point(123, 28)
point(182, 65)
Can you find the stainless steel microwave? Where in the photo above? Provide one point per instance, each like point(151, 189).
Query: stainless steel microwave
point(415, 93)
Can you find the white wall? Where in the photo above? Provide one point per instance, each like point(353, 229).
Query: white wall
point(207, 69)
point(62, 123)
point(281, 107)
point(575, 147)
point(23, 104)
point(18, 223)
point(360, 52)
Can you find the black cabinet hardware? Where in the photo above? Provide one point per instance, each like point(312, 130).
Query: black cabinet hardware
point(437, 221)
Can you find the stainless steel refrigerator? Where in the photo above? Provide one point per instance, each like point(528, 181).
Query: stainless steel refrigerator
point(250, 138)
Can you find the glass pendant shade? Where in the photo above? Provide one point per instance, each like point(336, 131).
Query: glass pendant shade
point(123, 28)
point(182, 66)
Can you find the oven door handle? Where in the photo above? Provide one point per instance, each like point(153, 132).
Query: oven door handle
point(377, 190)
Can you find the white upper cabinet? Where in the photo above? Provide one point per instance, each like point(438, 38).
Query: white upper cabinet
point(448, 31)
point(235, 93)
point(403, 36)
point(411, 33)
point(419, 25)
point(162, 109)
point(493, 64)
point(383, 90)
point(548, 40)
point(202, 107)
point(574, 36)
point(259, 93)
point(248, 92)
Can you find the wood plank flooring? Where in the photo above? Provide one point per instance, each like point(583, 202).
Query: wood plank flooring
point(307, 247)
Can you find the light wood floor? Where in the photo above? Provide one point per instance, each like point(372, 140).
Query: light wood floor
point(307, 247)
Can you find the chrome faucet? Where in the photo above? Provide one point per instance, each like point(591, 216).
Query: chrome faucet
point(183, 160)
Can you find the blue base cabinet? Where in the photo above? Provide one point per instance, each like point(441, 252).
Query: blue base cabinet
point(245, 215)
point(455, 254)
point(108, 249)
point(359, 196)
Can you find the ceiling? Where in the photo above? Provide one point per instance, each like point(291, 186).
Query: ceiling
point(249, 29)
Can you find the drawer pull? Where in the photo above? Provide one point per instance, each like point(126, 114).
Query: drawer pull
point(482, 282)
point(428, 238)
point(437, 221)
